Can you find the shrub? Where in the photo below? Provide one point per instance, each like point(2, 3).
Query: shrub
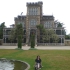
point(32, 41)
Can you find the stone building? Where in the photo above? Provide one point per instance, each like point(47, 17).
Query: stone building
point(29, 21)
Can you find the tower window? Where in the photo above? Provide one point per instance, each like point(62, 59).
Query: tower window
point(33, 11)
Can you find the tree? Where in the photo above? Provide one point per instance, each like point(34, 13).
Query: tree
point(32, 37)
point(50, 35)
point(59, 24)
point(47, 34)
point(12, 35)
point(17, 33)
point(67, 36)
point(2, 26)
point(55, 38)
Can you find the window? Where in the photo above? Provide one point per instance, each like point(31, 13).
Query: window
point(58, 32)
point(23, 24)
point(47, 24)
point(33, 11)
point(32, 22)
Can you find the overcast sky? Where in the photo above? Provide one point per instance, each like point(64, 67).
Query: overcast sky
point(60, 9)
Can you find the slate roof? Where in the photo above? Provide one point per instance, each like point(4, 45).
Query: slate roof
point(47, 17)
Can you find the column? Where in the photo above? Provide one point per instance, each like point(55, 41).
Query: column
point(5, 40)
point(61, 31)
point(61, 41)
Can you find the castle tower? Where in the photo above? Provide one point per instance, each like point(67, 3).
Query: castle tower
point(33, 17)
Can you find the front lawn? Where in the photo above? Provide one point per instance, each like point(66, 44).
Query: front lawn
point(51, 59)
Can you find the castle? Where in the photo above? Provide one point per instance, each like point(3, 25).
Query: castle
point(29, 21)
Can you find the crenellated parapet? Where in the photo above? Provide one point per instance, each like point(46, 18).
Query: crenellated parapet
point(35, 3)
point(19, 17)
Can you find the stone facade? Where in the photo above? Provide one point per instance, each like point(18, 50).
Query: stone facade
point(29, 21)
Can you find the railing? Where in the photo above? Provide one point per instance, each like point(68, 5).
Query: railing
point(50, 44)
point(12, 44)
point(39, 44)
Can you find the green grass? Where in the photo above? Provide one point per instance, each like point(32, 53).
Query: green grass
point(51, 59)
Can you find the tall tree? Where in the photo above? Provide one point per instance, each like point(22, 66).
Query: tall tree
point(1, 29)
point(17, 33)
point(32, 39)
